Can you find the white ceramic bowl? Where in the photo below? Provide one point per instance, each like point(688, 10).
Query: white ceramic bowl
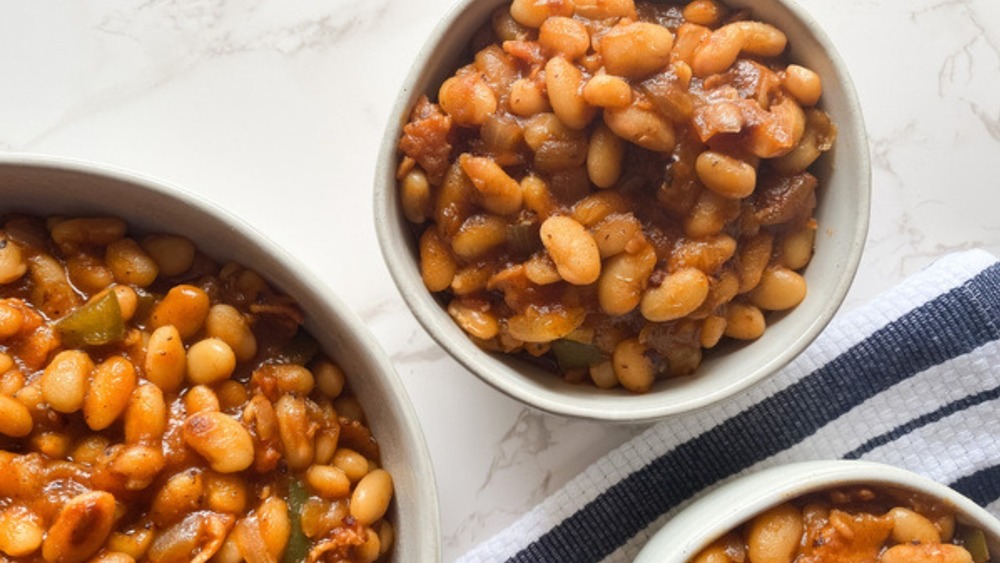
point(725, 508)
point(842, 212)
point(47, 186)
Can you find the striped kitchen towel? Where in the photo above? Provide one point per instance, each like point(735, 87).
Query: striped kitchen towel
point(911, 379)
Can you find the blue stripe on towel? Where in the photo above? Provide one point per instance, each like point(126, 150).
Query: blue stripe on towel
point(982, 486)
point(949, 326)
point(923, 420)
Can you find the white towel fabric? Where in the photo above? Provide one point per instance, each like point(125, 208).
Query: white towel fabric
point(911, 379)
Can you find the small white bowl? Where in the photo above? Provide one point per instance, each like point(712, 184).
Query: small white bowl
point(842, 213)
point(48, 186)
point(725, 508)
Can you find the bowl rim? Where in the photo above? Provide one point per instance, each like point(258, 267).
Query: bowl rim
point(717, 511)
point(553, 399)
point(333, 307)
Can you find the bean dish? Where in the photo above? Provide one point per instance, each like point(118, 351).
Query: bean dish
point(158, 406)
point(611, 187)
point(875, 524)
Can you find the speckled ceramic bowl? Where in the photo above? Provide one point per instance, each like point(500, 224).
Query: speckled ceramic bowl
point(47, 186)
point(842, 212)
point(725, 508)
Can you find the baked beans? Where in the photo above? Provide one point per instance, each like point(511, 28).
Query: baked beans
point(851, 524)
point(616, 186)
point(157, 406)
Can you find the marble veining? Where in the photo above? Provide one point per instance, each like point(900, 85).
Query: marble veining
point(275, 111)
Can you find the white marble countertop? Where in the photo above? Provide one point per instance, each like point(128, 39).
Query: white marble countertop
point(275, 110)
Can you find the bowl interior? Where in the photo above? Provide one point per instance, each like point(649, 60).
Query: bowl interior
point(728, 506)
point(842, 213)
point(48, 186)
